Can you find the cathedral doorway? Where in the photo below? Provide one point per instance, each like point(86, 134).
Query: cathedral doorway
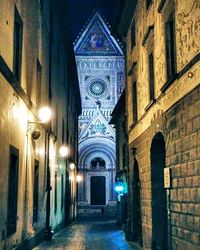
point(98, 190)
point(159, 202)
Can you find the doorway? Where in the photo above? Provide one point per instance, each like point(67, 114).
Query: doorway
point(137, 220)
point(159, 202)
point(68, 199)
point(98, 190)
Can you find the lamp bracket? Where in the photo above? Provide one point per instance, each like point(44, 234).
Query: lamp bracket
point(31, 127)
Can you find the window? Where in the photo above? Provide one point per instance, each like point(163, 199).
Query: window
point(55, 193)
point(12, 191)
point(148, 3)
point(124, 157)
point(39, 83)
point(62, 191)
point(151, 77)
point(35, 191)
point(98, 163)
point(170, 46)
point(17, 45)
point(56, 119)
point(63, 131)
point(41, 2)
point(134, 96)
point(97, 88)
point(133, 40)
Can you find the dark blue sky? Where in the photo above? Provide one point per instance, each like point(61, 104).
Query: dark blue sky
point(80, 10)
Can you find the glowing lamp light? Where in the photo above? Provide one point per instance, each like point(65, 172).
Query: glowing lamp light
point(119, 188)
point(78, 178)
point(72, 166)
point(64, 151)
point(44, 114)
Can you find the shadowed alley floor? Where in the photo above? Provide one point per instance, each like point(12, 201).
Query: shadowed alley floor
point(88, 235)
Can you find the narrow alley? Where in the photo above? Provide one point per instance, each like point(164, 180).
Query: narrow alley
point(90, 234)
point(100, 124)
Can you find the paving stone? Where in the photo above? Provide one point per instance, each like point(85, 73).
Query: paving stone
point(93, 234)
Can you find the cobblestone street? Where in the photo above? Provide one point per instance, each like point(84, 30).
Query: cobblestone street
point(88, 235)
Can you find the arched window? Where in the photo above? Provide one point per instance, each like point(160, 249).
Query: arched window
point(98, 163)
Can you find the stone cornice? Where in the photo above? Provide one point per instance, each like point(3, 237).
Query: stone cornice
point(126, 16)
point(9, 76)
point(149, 29)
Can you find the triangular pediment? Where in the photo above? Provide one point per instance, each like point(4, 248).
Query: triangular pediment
point(97, 127)
point(96, 40)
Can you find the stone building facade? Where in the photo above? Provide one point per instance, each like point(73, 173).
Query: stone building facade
point(163, 113)
point(100, 64)
point(36, 69)
point(122, 166)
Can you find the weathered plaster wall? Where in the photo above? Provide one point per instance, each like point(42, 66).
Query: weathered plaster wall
point(184, 32)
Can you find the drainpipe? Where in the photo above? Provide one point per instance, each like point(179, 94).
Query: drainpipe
point(169, 220)
point(48, 232)
point(25, 222)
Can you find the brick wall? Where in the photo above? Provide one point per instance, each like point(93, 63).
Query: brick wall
point(143, 158)
point(180, 126)
point(183, 156)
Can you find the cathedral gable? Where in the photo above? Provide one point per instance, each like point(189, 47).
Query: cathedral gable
point(97, 40)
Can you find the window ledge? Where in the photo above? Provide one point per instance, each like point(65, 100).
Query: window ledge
point(149, 7)
point(149, 29)
point(132, 125)
point(130, 71)
point(169, 82)
point(150, 104)
point(161, 5)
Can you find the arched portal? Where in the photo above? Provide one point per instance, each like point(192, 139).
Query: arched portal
point(97, 159)
point(159, 203)
point(98, 163)
point(137, 220)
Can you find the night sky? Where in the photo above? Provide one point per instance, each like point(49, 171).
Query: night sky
point(80, 10)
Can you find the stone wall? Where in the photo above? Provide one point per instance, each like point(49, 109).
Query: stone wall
point(181, 130)
point(183, 156)
point(172, 113)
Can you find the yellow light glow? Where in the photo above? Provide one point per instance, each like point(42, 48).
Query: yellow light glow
point(71, 177)
point(79, 178)
point(44, 114)
point(52, 152)
point(22, 115)
point(63, 151)
point(72, 166)
point(40, 151)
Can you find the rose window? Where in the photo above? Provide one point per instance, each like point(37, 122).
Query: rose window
point(97, 88)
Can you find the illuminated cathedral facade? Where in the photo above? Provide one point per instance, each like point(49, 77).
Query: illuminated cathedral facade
point(100, 65)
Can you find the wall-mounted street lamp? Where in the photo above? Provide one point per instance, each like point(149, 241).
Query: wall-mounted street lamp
point(119, 188)
point(72, 166)
point(44, 115)
point(79, 178)
point(63, 151)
